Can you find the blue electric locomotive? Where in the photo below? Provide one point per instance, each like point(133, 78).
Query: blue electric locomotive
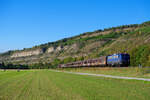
point(121, 59)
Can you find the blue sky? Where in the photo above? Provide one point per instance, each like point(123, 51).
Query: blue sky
point(26, 23)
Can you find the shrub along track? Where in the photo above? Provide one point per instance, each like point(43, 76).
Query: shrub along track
point(107, 76)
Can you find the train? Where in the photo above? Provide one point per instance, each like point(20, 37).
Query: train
point(114, 60)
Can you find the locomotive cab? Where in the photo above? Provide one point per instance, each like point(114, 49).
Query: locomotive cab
point(121, 59)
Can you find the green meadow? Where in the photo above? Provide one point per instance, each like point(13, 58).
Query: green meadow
point(50, 85)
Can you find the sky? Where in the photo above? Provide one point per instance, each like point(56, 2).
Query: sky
point(26, 23)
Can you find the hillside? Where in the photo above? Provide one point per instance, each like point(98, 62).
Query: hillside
point(133, 39)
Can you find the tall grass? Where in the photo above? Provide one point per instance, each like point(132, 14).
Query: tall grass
point(117, 71)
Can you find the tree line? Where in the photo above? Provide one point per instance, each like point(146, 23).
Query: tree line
point(39, 65)
point(13, 66)
point(31, 66)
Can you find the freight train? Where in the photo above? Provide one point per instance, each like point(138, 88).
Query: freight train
point(118, 60)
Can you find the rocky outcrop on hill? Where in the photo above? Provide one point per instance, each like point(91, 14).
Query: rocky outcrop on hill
point(50, 49)
point(27, 53)
point(59, 48)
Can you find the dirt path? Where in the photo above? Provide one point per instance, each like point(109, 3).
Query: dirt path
point(102, 75)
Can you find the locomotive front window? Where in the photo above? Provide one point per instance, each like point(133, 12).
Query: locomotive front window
point(113, 57)
point(116, 56)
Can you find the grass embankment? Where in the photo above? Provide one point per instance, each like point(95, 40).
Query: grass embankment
point(49, 85)
point(116, 71)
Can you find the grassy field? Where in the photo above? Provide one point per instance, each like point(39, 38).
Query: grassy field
point(49, 85)
point(116, 71)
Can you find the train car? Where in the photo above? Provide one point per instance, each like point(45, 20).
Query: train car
point(101, 61)
point(121, 59)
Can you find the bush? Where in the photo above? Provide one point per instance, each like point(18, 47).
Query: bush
point(140, 55)
point(143, 70)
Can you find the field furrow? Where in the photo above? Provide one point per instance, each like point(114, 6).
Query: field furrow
point(49, 85)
